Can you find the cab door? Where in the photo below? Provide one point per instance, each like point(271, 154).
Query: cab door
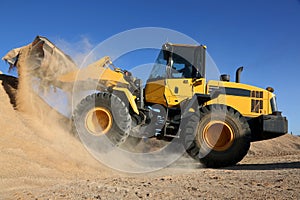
point(179, 83)
point(177, 90)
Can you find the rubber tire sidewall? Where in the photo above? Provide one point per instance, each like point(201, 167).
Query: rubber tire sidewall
point(199, 150)
point(239, 146)
point(121, 119)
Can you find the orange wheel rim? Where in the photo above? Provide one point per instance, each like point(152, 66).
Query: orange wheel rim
point(218, 135)
point(98, 121)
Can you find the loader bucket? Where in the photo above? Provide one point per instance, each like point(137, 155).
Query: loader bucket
point(42, 60)
point(49, 66)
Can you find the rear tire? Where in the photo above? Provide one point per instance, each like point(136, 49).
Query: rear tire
point(219, 137)
point(102, 114)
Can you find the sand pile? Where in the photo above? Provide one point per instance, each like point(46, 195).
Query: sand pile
point(284, 145)
point(36, 142)
point(36, 148)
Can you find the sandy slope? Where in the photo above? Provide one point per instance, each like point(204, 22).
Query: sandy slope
point(33, 149)
point(39, 159)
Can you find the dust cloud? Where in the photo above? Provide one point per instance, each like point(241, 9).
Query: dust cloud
point(36, 140)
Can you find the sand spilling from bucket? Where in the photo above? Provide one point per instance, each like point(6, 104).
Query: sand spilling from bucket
point(35, 139)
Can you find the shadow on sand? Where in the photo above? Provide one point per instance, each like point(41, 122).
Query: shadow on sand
point(267, 166)
point(10, 85)
point(193, 164)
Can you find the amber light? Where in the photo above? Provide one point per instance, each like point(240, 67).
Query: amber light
point(270, 89)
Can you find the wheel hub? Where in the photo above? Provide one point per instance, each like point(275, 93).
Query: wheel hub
point(98, 121)
point(218, 135)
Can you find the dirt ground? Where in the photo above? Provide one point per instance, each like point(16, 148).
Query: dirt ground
point(41, 160)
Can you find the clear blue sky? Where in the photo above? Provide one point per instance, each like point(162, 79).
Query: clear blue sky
point(262, 35)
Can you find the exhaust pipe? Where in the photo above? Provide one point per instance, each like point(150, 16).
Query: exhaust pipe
point(238, 74)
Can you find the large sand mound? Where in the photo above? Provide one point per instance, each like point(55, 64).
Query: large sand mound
point(35, 139)
point(38, 146)
point(284, 145)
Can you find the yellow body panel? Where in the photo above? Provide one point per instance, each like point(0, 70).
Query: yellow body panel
point(130, 98)
point(177, 90)
point(171, 92)
point(154, 92)
point(199, 86)
point(251, 102)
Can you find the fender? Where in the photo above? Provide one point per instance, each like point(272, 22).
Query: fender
point(130, 98)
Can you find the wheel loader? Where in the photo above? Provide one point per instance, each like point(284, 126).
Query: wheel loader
point(215, 120)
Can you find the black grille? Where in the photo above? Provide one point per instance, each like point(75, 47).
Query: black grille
point(256, 105)
point(257, 94)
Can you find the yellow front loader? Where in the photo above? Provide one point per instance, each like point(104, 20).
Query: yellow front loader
point(215, 120)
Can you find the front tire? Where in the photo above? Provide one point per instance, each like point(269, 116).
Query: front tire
point(102, 114)
point(221, 136)
point(132, 140)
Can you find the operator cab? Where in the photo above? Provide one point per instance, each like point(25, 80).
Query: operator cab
point(176, 68)
point(179, 61)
